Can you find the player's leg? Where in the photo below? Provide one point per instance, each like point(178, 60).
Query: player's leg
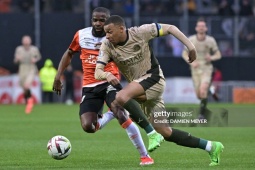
point(27, 92)
point(136, 89)
point(203, 92)
point(91, 123)
point(180, 137)
point(183, 138)
point(213, 90)
point(135, 137)
point(197, 79)
point(213, 86)
point(90, 106)
point(156, 105)
point(104, 119)
point(22, 82)
point(130, 127)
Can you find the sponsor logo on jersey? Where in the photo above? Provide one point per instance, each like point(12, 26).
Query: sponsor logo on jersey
point(136, 47)
point(132, 61)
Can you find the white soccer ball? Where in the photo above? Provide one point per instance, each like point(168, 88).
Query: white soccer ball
point(59, 147)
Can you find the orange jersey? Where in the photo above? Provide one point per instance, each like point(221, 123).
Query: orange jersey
point(84, 42)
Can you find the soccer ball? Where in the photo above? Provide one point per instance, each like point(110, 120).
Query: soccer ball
point(59, 147)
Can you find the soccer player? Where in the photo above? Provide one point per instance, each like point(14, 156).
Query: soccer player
point(202, 68)
point(26, 56)
point(130, 51)
point(94, 92)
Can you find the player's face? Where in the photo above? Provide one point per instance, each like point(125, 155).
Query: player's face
point(113, 33)
point(201, 27)
point(98, 20)
point(26, 41)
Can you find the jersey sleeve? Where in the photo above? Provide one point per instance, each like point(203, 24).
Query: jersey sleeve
point(17, 52)
point(150, 31)
point(102, 60)
point(75, 46)
point(214, 47)
point(38, 54)
point(104, 54)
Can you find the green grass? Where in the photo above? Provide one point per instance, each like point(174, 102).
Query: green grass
point(23, 140)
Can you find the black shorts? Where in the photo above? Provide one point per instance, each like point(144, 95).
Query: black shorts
point(93, 98)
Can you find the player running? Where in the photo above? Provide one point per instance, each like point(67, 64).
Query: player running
point(202, 68)
point(94, 93)
point(129, 49)
point(26, 56)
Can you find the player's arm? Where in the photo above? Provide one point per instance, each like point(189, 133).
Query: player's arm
point(165, 29)
point(64, 62)
point(102, 60)
point(216, 52)
point(100, 74)
point(37, 56)
point(17, 56)
point(216, 56)
point(185, 55)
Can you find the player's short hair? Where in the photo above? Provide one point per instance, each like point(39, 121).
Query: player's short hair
point(201, 19)
point(116, 20)
point(102, 9)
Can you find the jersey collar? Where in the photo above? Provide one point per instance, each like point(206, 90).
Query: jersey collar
point(124, 42)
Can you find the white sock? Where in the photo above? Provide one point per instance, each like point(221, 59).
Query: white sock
point(136, 138)
point(208, 146)
point(212, 89)
point(107, 117)
point(148, 134)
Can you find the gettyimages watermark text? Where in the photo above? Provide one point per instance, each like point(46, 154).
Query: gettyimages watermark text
point(189, 117)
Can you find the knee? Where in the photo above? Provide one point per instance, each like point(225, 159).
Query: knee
point(88, 127)
point(204, 90)
point(119, 113)
point(121, 98)
point(203, 93)
point(122, 116)
point(198, 94)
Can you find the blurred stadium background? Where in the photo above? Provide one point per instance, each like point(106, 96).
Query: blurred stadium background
point(52, 24)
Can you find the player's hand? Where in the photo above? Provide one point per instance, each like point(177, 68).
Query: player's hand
point(57, 86)
point(112, 80)
point(192, 55)
point(33, 60)
point(17, 59)
point(208, 57)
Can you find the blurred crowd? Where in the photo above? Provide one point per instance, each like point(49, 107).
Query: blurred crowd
point(220, 13)
point(147, 7)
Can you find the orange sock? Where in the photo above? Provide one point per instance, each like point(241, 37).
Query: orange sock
point(127, 123)
point(30, 105)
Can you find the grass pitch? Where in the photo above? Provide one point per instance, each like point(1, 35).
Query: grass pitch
point(23, 140)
